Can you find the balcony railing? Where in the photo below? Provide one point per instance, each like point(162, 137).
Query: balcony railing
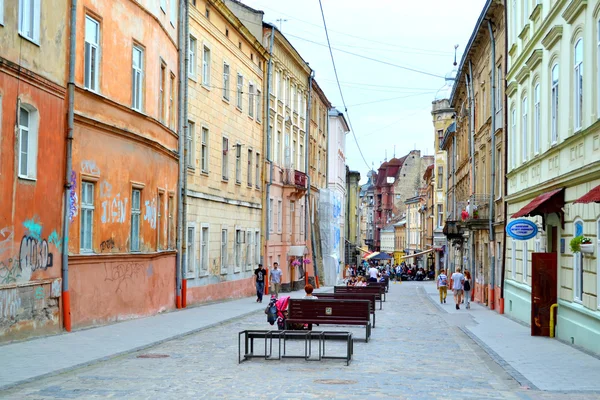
point(294, 177)
point(477, 210)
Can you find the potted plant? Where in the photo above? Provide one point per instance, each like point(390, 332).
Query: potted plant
point(581, 244)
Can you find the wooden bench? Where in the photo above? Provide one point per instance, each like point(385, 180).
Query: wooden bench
point(381, 284)
point(308, 336)
point(352, 296)
point(330, 312)
point(377, 290)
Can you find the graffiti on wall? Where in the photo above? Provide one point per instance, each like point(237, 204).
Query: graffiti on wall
point(10, 303)
point(150, 213)
point(34, 254)
point(123, 273)
point(8, 268)
point(105, 189)
point(73, 200)
point(107, 245)
point(114, 210)
point(89, 167)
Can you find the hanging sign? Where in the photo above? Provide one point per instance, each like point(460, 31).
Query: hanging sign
point(521, 229)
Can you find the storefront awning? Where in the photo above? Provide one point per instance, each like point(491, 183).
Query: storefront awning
point(369, 256)
point(546, 203)
point(418, 254)
point(593, 196)
point(363, 250)
point(297, 251)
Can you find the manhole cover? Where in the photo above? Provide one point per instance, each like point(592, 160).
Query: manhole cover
point(152, 355)
point(335, 381)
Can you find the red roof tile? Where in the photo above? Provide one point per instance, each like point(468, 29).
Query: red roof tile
point(593, 196)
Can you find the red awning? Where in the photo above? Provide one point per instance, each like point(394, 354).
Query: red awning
point(547, 203)
point(593, 196)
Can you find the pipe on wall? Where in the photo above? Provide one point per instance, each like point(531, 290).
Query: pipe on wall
point(186, 150)
point(491, 296)
point(269, 138)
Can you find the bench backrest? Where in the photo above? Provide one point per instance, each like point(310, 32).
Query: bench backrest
point(350, 296)
point(378, 290)
point(348, 310)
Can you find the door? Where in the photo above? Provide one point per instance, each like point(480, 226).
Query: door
point(543, 292)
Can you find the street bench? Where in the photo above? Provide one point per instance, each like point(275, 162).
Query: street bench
point(283, 336)
point(330, 312)
point(352, 296)
point(379, 291)
point(384, 285)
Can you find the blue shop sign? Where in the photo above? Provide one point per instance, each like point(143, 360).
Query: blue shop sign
point(521, 229)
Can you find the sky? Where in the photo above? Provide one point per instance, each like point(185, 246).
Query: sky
point(389, 107)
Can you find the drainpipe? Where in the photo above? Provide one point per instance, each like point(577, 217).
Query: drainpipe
point(180, 150)
point(66, 297)
point(186, 26)
point(491, 295)
point(269, 138)
point(473, 173)
point(307, 200)
point(505, 183)
point(454, 190)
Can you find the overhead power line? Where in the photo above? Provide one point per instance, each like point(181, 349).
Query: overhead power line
point(389, 99)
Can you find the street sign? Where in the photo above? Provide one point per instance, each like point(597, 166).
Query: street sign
point(521, 229)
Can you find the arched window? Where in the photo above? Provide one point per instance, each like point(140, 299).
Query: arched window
point(578, 85)
point(28, 141)
point(524, 119)
point(554, 105)
point(577, 265)
point(536, 119)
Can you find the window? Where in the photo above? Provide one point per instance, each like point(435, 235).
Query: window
point(294, 106)
point(1, 12)
point(598, 94)
point(578, 85)
point(271, 214)
point(279, 216)
point(225, 160)
point(249, 259)
point(161, 92)
point(513, 260)
point(171, 223)
point(29, 19)
point(226, 81)
point(514, 21)
point(302, 220)
point(598, 263)
point(251, 100)
point(278, 148)
point(91, 58)
point(513, 132)
point(28, 142)
point(249, 172)
point(191, 250)
point(524, 130)
point(440, 216)
point(258, 170)
point(525, 11)
point(499, 173)
point(301, 154)
point(440, 178)
point(206, 66)
point(238, 163)
point(577, 266)
point(204, 154)
point(192, 56)
point(137, 79)
point(257, 247)
point(172, 103)
point(173, 12)
point(536, 119)
point(204, 248)
point(135, 219)
point(499, 87)
point(190, 157)
point(224, 250)
point(163, 5)
point(525, 261)
point(240, 86)
point(159, 224)
point(554, 111)
point(87, 216)
point(258, 106)
point(237, 251)
point(278, 85)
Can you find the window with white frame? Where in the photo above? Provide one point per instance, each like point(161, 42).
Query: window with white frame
point(249, 249)
point(513, 132)
point(204, 154)
point(28, 142)
point(294, 106)
point(238, 163)
point(163, 6)
point(192, 56)
point(513, 14)
point(499, 87)
point(136, 211)
point(598, 263)
point(86, 217)
point(137, 78)
point(554, 110)
point(237, 251)
point(191, 145)
point(29, 19)
point(206, 66)
point(524, 129)
point(172, 102)
point(513, 260)
point(578, 266)
point(537, 120)
point(498, 181)
point(225, 160)
point(1, 12)
point(191, 249)
point(251, 100)
point(224, 260)
point(249, 171)
point(258, 177)
point(279, 85)
point(173, 16)
point(91, 57)
point(279, 215)
point(257, 247)
point(578, 85)
point(525, 257)
point(278, 147)
point(204, 248)
point(240, 88)
point(440, 216)
point(226, 81)
point(162, 78)
point(271, 214)
point(302, 220)
point(525, 12)
point(258, 106)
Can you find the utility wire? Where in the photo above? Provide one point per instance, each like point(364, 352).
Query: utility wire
point(340, 88)
point(390, 99)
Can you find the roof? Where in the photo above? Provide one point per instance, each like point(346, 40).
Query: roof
point(389, 169)
point(545, 203)
point(593, 196)
point(334, 112)
point(267, 26)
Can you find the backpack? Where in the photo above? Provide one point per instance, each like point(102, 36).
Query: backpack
point(443, 280)
point(271, 312)
point(467, 286)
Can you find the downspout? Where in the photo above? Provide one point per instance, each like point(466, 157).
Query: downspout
point(453, 190)
point(308, 203)
point(180, 152)
point(66, 297)
point(505, 183)
point(185, 152)
point(269, 138)
point(491, 295)
point(472, 151)
point(306, 141)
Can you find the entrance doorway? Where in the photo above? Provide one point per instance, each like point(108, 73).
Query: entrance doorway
point(543, 291)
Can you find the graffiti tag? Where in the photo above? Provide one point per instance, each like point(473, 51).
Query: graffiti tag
point(150, 213)
point(115, 210)
point(10, 303)
point(123, 272)
point(108, 244)
point(34, 254)
point(105, 189)
point(89, 167)
point(73, 201)
point(39, 293)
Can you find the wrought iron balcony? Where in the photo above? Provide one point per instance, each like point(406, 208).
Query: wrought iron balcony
point(476, 213)
point(295, 178)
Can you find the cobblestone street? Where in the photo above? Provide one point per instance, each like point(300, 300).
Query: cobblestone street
point(417, 351)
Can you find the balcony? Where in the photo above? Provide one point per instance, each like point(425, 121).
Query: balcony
point(476, 213)
point(296, 180)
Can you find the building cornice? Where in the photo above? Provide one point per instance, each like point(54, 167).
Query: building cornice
point(522, 75)
point(536, 13)
point(535, 59)
point(552, 37)
point(573, 10)
point(221, 199)
point(511, 88)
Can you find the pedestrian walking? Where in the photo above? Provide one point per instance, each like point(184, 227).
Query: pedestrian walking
point(275, 278)
point(442, 285)
point(467, 289)
point(259, 281)
point(457, 286)
point(373, 272)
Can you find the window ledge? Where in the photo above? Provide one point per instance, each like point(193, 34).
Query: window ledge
point(238, 108)
point(205, 173)
point(34, 41)
point(27, 178)
point(225, 180)
point(225, 100)
point(193, 78)
point(205, 86)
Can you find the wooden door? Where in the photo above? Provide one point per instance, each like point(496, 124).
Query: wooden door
point(543, 292)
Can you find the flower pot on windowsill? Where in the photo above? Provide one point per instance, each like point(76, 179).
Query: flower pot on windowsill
point(587, 248)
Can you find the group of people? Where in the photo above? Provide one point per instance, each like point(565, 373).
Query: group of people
point(274, 279)
point(461, 287)
point(411, 272)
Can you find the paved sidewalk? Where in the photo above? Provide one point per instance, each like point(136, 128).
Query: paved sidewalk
point(536, 362)
point(24, 361)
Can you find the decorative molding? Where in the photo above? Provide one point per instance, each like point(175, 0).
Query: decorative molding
point(534, 59)
point(573, 10)
point(522, 74)
point(512, 50)
point(524, 35)
point(536, 13)
point(220, 199)
point(552, 37)
point(511, 88)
